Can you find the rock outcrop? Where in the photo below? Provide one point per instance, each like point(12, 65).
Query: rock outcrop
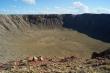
point(104, 54)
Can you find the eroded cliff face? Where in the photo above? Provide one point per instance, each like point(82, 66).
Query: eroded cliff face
point(13, 23)
point(45, 21)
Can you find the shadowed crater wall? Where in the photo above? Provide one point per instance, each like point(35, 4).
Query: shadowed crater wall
point(94, 25)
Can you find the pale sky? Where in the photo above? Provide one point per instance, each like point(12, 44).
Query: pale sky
point(54, 6)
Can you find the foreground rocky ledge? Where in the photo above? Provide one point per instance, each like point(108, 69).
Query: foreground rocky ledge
point(70, 64)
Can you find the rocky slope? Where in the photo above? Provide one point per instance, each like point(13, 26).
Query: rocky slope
point(69, 64)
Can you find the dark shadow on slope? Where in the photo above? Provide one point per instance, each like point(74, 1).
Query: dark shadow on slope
point(103, 54)
point(94, 25)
